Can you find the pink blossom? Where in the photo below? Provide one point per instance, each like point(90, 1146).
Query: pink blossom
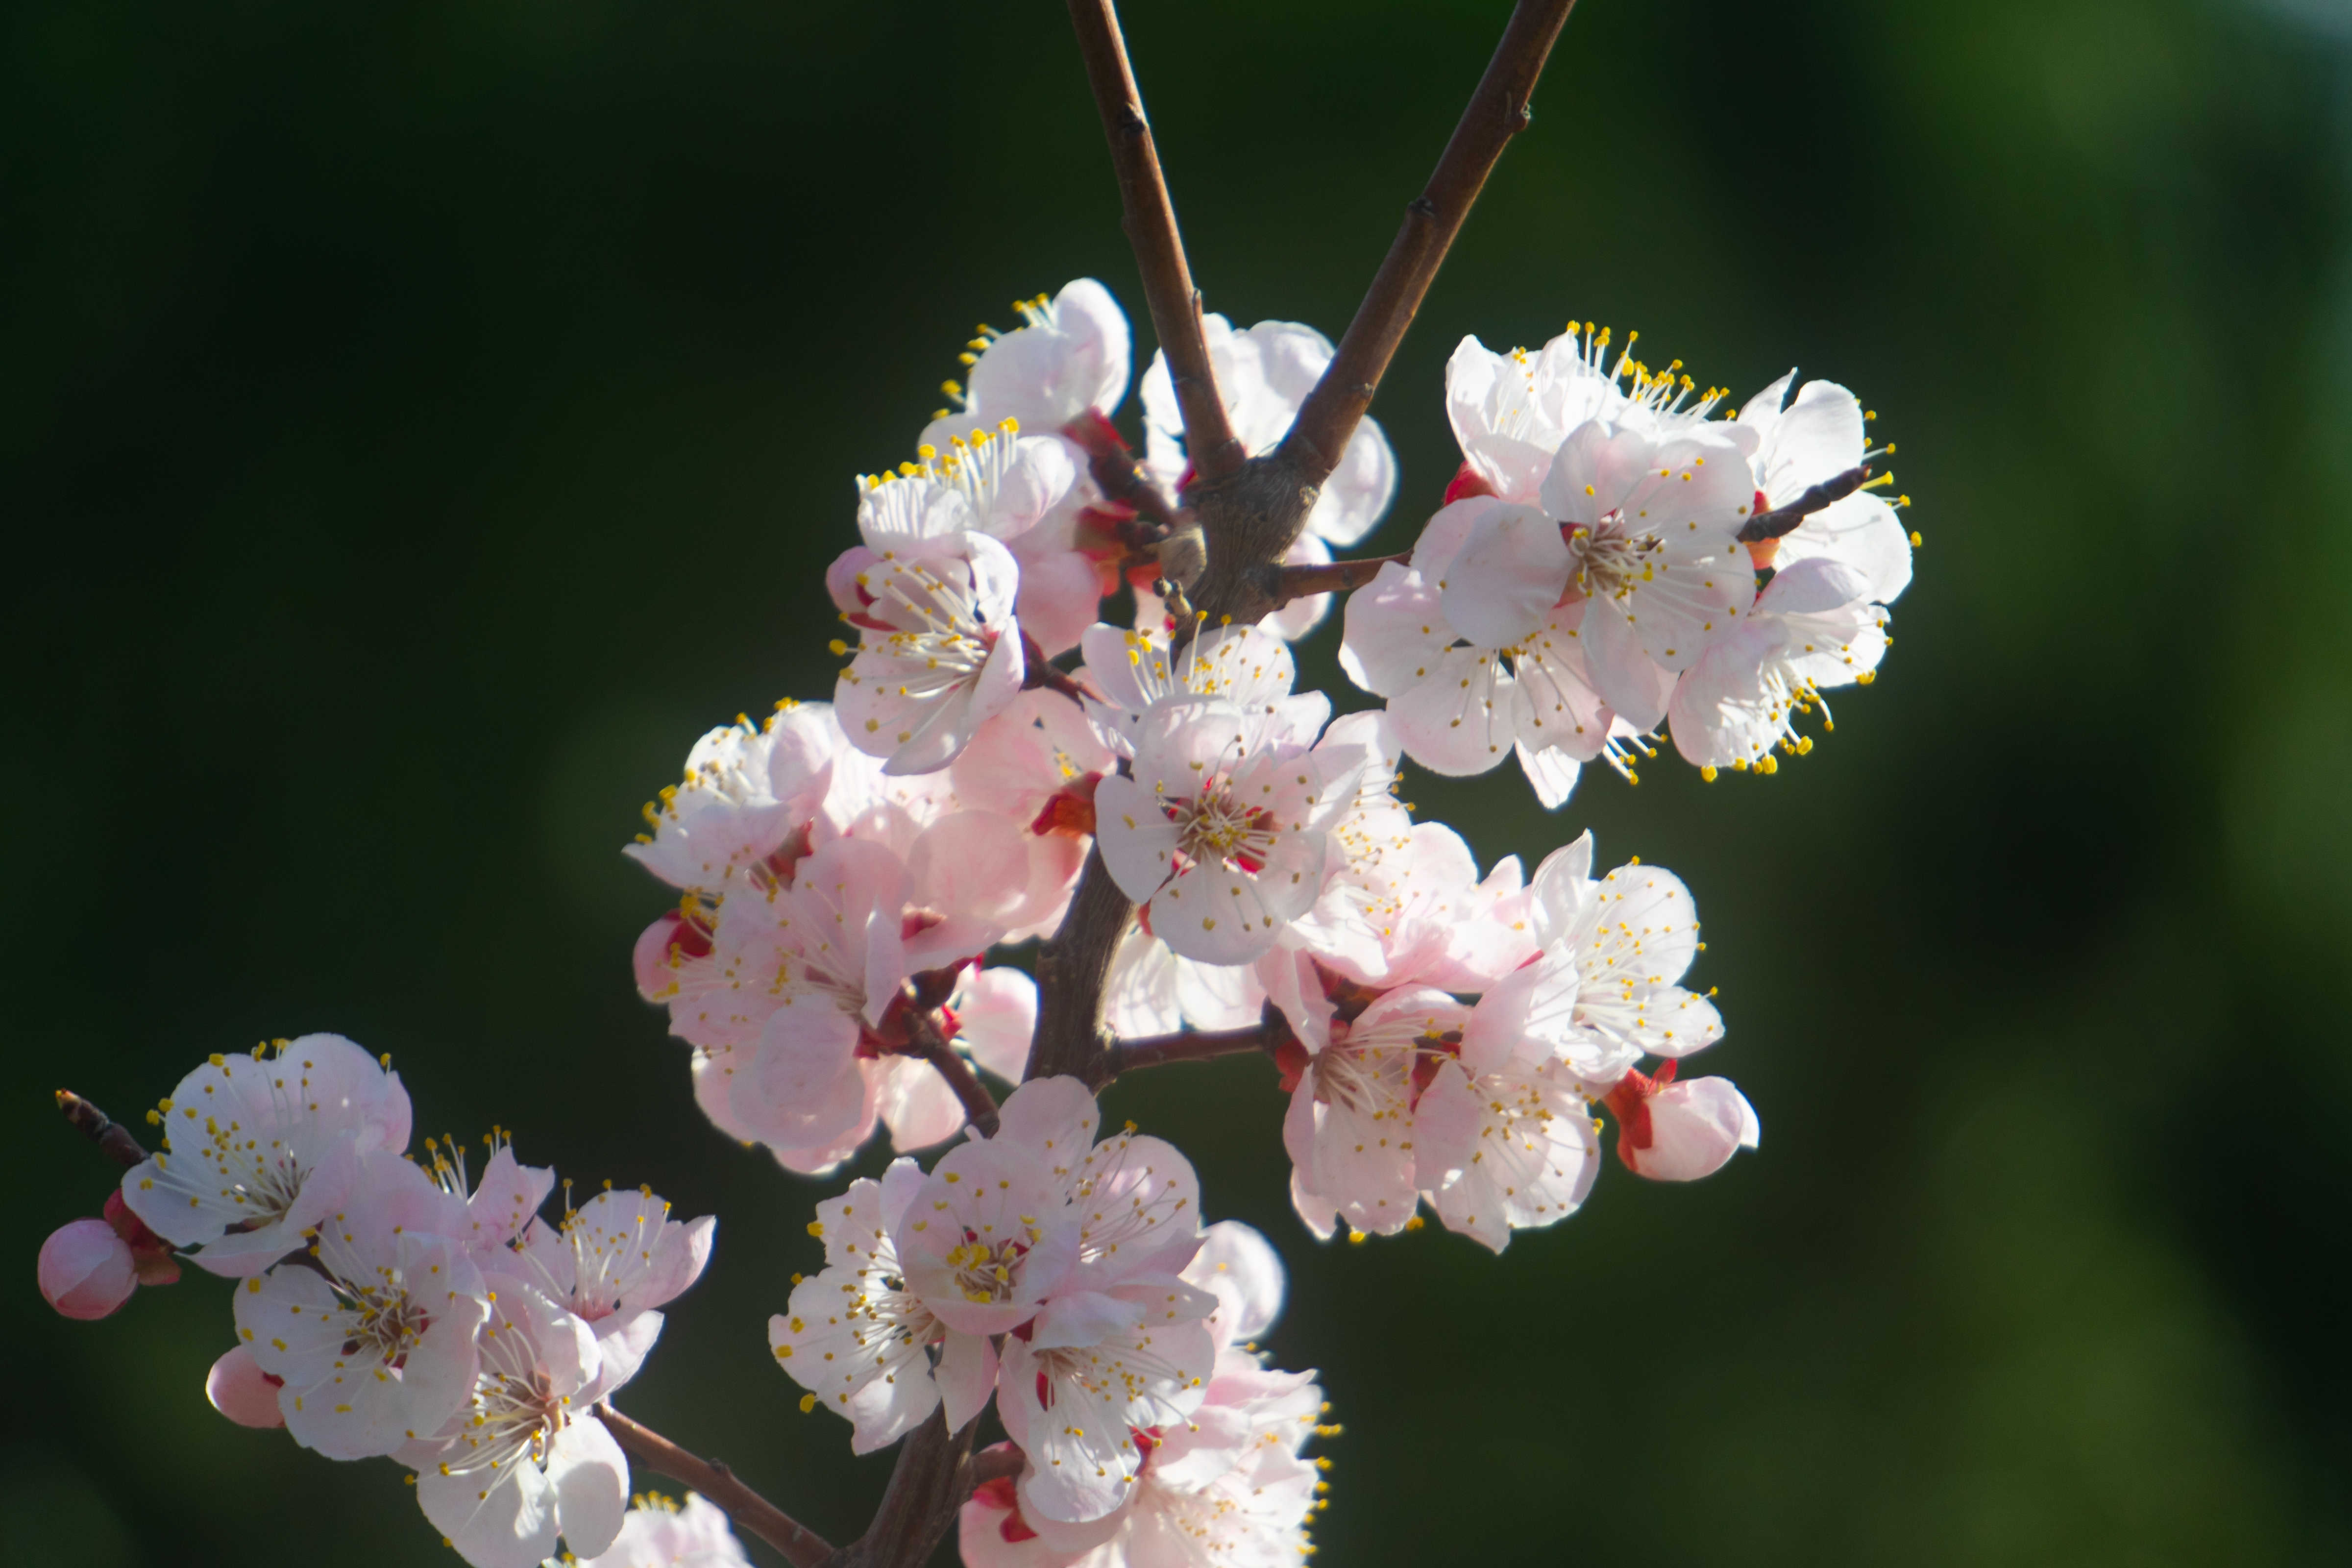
point(1644, 531)
point(258, 1149)
point(1460, 705)
point(374, 1344)
point(860, 1339)
point(1221, 831)
point(1226, 1484)
point(1380, 1111)
point(525, 1461)
point(1813, 629)
point(612, 1263)
point(747, 790)
point(940, 653)
point(499, 1206)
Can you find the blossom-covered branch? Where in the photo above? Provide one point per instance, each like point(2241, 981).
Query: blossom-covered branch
point(1497, 111)
point(1150, 222)
point(802, 1547)
point(1071, 713)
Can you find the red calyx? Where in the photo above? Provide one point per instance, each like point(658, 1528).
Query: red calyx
point(688, 939)
point(1002, 1494)
point(1069, 811)
point(1425, 1063)
point(1760, 552)
point(1096, 435)
point(151, 1253)
point(1466, 482)
point(786, 856)
point(1629, 1103)
point(1291, 1059)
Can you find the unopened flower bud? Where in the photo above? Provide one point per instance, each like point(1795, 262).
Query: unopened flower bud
point(241, 1391)
point(86, 1271)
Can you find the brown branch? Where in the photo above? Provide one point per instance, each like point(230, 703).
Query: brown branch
point(933, 1478)
point(1132, 1055)
point(802, 1547)
point(116, 1141)
point(1284, 584)
point(1783, 519)
point(979, 1105)
point(1497, 112)
point(1072, 970)
point(1150, 219)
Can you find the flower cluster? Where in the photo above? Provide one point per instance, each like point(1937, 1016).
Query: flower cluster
point(388, 1307)
point(1594, 571)
point(1064, 1280)
point(1032, 709)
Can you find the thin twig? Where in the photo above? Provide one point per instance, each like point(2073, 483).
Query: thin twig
point(1782, 520)
point(1497, 112)
point(1000, 1462)
point(979, 1105)
point(116, 1141)
point(1287, 582)
point(802, 1547)
point(1150, 219)
point(1131, 1055)
point(1038, 672)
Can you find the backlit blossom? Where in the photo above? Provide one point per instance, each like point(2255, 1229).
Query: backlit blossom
point(939, 655)
point(1380, 1110)
point(1510, 411)
point(612, 1263)
point(1221, 829)
point(1674, 1131)
point(747, 789)
point(525, 1461)
point(859, 1341)
point(1225, 1486)
point(1644, 532)
point(257, 1149)
point(1813, 629)
point(1461, 707)
point(374, 1346)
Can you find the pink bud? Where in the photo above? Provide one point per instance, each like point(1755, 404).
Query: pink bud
point(87, 1271)
point(241, 1391)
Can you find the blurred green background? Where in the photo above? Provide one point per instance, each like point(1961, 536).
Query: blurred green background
point(418, 425)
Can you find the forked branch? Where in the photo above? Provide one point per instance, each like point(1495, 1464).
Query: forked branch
point(1150, 221)
point(1497, 112)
